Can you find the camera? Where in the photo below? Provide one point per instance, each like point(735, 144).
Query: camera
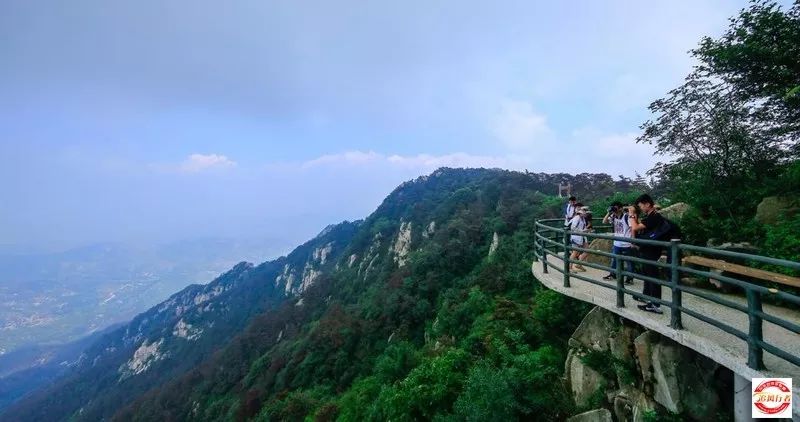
point(612, 209)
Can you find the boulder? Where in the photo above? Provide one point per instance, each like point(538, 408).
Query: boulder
point(583, 381)
point(642, 406)
point(594, 330)
point(682, 380)
point(620, 344)
point(643, 345)
point(676, 211)
point(623, 408)
point(603, 245)
point(631, 404)
point(665, 362)
point(596, 415)
point(773, 208)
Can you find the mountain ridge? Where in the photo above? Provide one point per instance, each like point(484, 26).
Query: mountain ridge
point(381, 277)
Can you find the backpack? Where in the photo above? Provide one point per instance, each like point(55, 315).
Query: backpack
point(667, 231)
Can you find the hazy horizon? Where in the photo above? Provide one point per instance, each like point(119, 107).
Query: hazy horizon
point(151, 122)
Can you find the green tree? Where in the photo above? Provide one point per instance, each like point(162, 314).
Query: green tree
point(759, 55)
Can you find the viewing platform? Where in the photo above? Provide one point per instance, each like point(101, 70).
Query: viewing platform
point(738, 331)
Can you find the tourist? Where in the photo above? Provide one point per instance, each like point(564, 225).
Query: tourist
point(570, 209)
point(649, 224)
point(586, 213)
point(617, 216)
point(577, 225)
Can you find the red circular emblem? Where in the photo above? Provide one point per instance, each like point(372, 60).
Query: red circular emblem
point(772, 396)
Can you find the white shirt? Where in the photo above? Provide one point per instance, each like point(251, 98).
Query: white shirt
point(577, 224)
point(621, 229)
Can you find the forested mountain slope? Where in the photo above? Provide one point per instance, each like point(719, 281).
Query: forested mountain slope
point(179, 333)
point(426, 309)
point(431, 313)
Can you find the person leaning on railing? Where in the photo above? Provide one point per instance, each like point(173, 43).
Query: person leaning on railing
point(649, 224)
point(617, 216)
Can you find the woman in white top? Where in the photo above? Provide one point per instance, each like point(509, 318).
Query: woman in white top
point(577, 225)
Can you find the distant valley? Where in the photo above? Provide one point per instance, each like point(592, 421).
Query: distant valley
point(60, 297)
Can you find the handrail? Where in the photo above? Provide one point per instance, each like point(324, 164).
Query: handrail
point(551, 238)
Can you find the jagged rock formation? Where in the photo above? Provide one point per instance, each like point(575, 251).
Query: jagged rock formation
point(620, 367)
point(402, 246)
point(495, 244)
point(430, 230)
point(142, 359)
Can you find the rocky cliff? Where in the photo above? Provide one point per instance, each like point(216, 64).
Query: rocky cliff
point(618, 370)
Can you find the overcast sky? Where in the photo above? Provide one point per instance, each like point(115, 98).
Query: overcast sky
point(156, 120)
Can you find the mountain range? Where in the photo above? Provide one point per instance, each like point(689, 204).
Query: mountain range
point(400, 316)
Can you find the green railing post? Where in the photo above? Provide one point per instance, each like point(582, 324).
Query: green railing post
point(566, 258)
point(675, 280)
point(755, 355)
point(535, 241)
point(620, 282)
point(544, 258)
point(543, 245)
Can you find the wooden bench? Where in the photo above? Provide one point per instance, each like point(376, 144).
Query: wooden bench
point(743, 270)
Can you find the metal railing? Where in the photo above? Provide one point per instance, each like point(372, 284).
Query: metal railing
point(551, 238)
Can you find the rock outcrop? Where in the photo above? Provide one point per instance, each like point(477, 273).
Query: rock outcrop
point(495, 244)
point(584, 382)
point(603, 245)
point(597, 415)
point(675, 211)
point(771, 209)
point(619, 368)
point(402, 245)
point(593, 331)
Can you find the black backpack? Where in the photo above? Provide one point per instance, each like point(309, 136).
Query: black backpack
point(667, 231)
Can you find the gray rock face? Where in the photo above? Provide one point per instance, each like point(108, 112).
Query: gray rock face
point(593, 331)
point(631, 404)
point(643, 345)
point(675, 211)
point(603, 245)
point(620, 343)
point(596, 415)
point(667, 391)
point(583, 381)
point(773, 208)
point(641, 406)
point(653, 373)
point(681, 379)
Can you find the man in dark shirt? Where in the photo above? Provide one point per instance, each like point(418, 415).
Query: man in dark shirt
point(650, 223)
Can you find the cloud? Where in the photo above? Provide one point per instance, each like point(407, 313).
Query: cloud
point(421, 162)
point(518, 126)
point(613, 153)
point(199, 162)
point(349, 157)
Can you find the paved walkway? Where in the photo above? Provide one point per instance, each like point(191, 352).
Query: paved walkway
point(725, 349)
